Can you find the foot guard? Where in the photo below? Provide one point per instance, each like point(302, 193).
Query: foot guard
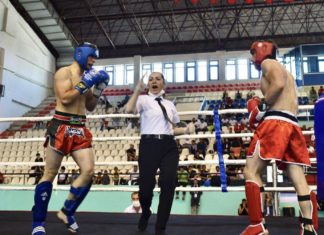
point(307, 232)
point(69, 221)
point(255, 229)
point(38, 229)
point(304, 223)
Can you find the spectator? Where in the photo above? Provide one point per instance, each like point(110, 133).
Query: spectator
point(191, 126)
point(39, 125)
point(38, 170)
point(268, 204)
point(183, 180)
point(2, 178)
point(131, 153)
point(193, 147)
point(179, 146)
point(103, 124)
point(74, 175)
point(207, 182)
point(320, 91)
point(312, 94)
point(116, 176)
point(225, 95)
point(195, 198)
point(105, 178)
point(98, 178)
point(243, 208)
point(134, 174)
point(203, 125)
point(203, 173)
point(215, 179)
point(62, 176)
point(135, 207)
point(192, 174)
point(238, 95)
point(250, 94)
point(202, 147)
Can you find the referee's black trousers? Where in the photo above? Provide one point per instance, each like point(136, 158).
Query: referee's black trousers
point(154, 154)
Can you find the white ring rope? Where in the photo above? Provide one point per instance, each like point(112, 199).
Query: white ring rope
point(124, 163)
point(99, 139)
point(180, 189)
point(121, 115)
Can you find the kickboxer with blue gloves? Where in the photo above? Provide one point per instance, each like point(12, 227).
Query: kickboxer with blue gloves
point(77, 89)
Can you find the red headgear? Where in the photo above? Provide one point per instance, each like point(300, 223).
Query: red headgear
point(263, 50)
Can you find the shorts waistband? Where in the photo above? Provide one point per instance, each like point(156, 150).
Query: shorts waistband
point(70, 119)
point(280, 114)
point(160, 137)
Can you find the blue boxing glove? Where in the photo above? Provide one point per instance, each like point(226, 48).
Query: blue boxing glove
point(103, 77)
point(102, 84)
point(88, 79)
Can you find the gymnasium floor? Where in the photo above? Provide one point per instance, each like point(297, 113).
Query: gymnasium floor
point(19, 223)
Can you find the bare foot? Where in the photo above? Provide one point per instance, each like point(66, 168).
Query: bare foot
point(62, 217)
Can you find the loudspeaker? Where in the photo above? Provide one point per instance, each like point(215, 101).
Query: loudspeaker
point(2, 90)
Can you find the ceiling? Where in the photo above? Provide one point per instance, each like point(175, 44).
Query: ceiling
point(123, 28)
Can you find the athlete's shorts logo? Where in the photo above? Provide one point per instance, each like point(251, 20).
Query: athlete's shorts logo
point(71, 131)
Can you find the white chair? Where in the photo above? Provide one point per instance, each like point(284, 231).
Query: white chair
point(209, 157)
point(31, 181)
point(15, 180)
point(190, 157)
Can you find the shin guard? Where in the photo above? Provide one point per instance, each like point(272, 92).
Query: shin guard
point(42, 196)
point(314, 212)
point(254, 201)
point(70, 206)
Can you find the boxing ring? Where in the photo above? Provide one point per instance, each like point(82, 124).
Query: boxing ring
point(119, 223)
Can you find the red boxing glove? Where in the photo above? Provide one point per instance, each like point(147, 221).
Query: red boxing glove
point(255, 114)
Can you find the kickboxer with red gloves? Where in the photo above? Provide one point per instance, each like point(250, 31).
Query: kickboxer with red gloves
point(277, 137)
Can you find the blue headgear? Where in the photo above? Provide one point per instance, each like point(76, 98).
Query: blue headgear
point(82, 53)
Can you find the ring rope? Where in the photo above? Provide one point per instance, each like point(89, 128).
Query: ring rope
point(222, 111)
point(182, 163)
point(180, 189)
point(101, 139)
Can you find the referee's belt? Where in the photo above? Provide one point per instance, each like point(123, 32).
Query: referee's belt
point(159, 137)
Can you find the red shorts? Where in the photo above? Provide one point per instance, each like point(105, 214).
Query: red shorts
point(280, 138)
point(67, 133)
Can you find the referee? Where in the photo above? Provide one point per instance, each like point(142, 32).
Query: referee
point(158, 149)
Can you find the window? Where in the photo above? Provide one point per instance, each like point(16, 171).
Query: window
point(111, 71)
point(202, 71)
point(157, 67)
point(191, 71)
point(321, 64)
point(129, 74)
point(213, 70)
point(119, 74)
point(305, 64)
point(242, 68)
point(255, 74)
point(287, 64)
point(168, 71)
point(230, 70)
point(179, 72)
point(147, 68)
point(293, 66)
